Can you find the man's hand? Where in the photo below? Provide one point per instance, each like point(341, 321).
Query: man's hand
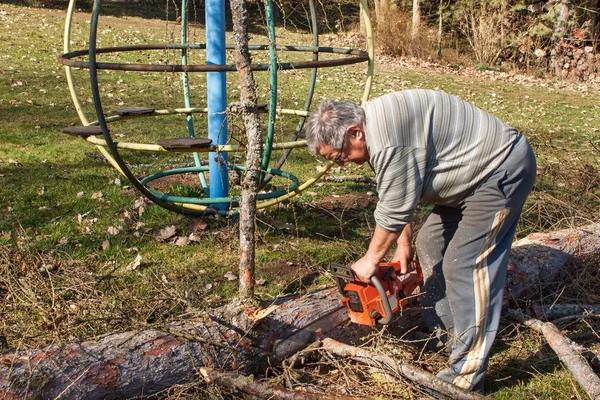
point(365, 268)
point(404, 250)
point(404, 254)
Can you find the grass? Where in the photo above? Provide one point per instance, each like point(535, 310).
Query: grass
point(71, 227)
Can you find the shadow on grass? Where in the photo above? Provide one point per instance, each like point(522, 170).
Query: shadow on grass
point(330, 17)
point(516, 371)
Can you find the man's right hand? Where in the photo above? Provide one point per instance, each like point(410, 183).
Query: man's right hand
point(405, 255)
point(365, 268)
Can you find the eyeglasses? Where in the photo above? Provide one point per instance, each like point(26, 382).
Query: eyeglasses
point(340, 155)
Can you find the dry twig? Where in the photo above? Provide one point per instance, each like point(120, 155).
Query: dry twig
point(247, 384)
point(550, 312)
point(406, 370)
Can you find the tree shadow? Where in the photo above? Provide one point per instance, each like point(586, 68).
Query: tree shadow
point(330, 17)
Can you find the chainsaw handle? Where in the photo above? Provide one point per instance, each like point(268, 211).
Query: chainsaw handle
point(384, 301)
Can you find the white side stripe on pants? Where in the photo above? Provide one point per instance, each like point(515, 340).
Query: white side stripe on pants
point(481, 281)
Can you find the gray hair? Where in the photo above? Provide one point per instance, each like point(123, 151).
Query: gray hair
point(328, 122)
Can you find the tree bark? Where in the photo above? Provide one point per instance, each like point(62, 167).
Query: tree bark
point(416, 20)
point(561, 8)
point(249, 111)
point(440, 29)
point(562, 19)
point(540, 258)
point(398, 367)
point(144, 362)
point(596, 24)
point(580, 369)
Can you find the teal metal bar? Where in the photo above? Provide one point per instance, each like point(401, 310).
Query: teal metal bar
point(211, 201)
point(112, 146)
point(186, 89)
point(272, 89)
point(311, 88)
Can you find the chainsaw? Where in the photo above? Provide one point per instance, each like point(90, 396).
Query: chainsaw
point(376, 302)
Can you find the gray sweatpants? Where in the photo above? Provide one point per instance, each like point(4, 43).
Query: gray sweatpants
point(464, 255)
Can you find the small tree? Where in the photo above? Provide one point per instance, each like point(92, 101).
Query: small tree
point(249, 112)
point(416, 20)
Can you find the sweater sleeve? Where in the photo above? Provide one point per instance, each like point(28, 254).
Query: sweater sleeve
point(399, 172)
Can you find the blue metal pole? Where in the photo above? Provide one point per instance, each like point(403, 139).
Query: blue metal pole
point(217, 97)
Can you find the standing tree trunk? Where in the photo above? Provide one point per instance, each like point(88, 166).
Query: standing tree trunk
point(596, 24)
point(382, 8)
point(561, 8)
point(562, 18)
point(249, 112)
point(416, 20)
point(440, 29)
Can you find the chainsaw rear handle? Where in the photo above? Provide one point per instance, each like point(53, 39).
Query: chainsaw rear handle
point(384, 301)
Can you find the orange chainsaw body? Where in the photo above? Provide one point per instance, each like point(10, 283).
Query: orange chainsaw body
point(366, 302)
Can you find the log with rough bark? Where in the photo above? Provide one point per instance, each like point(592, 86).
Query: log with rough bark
point(540, 258)
point(143, 362)
point(390, 364)
point(578, 366)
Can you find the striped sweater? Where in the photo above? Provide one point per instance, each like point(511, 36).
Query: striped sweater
point(430, 145)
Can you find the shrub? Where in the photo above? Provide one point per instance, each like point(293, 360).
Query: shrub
point(393, 37)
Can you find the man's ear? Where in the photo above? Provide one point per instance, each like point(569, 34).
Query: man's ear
point(357, 132)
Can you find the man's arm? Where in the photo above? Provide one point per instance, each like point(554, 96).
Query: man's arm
point(381, 242)
point(404, 249)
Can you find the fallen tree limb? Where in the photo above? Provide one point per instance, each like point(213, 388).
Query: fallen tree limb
point(248, 385)
point(590, 355)
point(576, 317)
point(405, 370)
point(144, 362)
point(554, 311)
point(580, 369)
point(131, 363)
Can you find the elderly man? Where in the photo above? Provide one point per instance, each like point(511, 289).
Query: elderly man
point(475, 169)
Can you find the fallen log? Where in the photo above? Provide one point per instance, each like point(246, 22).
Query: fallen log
point(540, 258)
point(144, 362)
point(578, 366)
point(248, 385)
point(390, 364)
point(592, 357)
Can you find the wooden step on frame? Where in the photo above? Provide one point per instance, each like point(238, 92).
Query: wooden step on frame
point(83, 131)
point(129, 111)
point(185, 143)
